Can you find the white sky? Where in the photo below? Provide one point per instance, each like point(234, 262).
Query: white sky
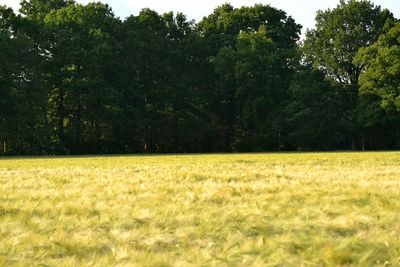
point(303, 11)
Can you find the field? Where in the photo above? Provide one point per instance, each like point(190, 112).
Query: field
point(207, 210)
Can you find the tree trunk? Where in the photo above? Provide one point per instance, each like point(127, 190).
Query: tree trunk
point(363, 143)
point(353, 143)
point(61, 115)
point(175, 137)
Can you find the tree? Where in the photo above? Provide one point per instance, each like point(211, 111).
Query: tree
point(166, 92)
point(6, 80)
point(313, 112)
point(38, 9)
point(382, 69)
point(83, 58)
point(75, 79)
point(260, 40)
point(380, 82)
point(340, 33)
point(263, 73)
point(24, 127)
point(185, 91)
point(226, 22)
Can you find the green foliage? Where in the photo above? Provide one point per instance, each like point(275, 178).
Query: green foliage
point(332, 47)
point(84, 55)
point(226, 22)
point(75, 79)
point(38, 9)
point(23, 96)
point(263, 74)
point(382, 61)
point(314, 112)
point(340, 33)
point(253, 52)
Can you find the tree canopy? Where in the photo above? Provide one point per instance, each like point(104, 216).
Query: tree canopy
point(76, 79)
point(382, 63)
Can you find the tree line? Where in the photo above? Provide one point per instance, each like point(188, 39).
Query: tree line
point(76, 79)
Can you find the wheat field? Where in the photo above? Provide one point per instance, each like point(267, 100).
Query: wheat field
point(201, 210)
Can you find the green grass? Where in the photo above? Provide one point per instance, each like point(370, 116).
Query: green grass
point(212, 210)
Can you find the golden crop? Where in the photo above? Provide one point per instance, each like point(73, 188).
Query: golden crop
point(207, 210)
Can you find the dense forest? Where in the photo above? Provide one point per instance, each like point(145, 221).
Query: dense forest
point(76, 79)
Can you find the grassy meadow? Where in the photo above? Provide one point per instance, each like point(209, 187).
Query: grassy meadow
point(207, 210)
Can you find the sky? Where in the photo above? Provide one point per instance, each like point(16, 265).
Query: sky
point(303, 11)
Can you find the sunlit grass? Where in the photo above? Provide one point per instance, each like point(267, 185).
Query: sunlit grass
point(211, 210)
